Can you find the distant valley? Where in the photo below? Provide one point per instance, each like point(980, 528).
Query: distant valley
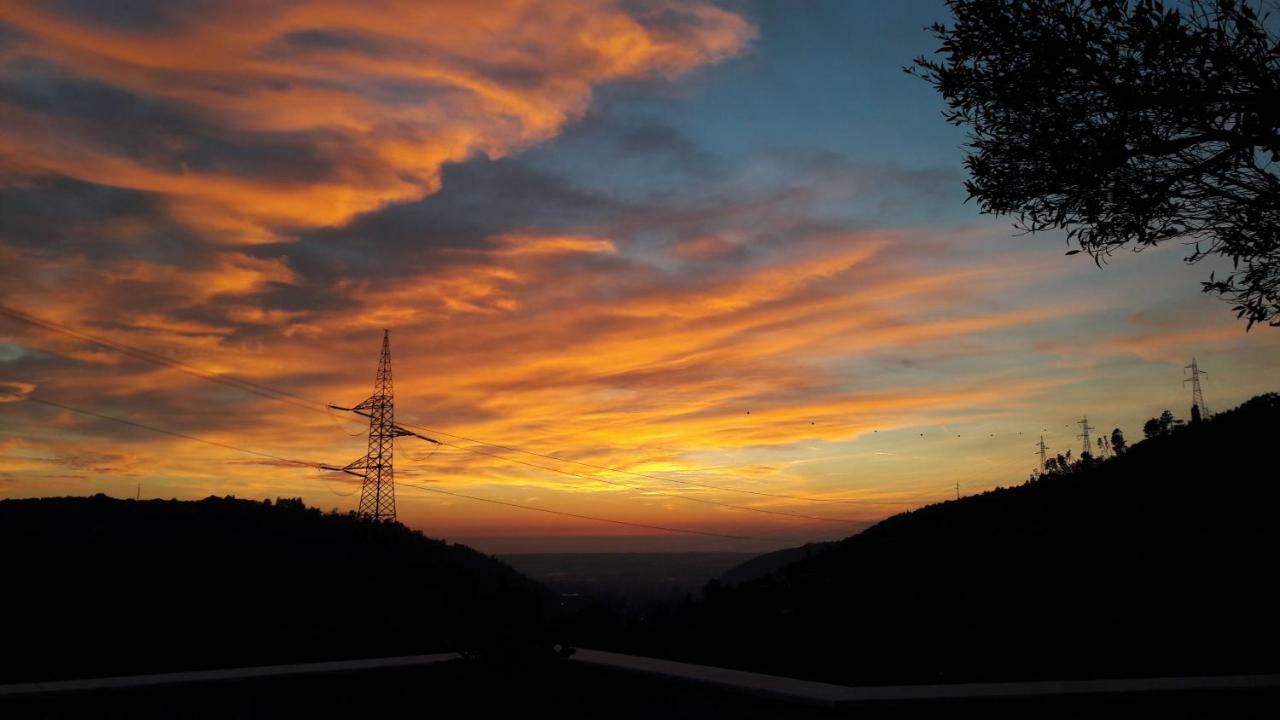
point(625, 582)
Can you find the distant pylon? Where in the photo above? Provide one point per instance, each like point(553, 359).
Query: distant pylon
point(378, 491)
point(1085, 427)
point(1043, 449)
point(1197, 397)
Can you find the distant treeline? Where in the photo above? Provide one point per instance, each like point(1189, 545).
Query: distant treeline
point(1158, 561)
point(99, 586)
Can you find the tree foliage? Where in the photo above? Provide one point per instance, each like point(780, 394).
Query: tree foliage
point(1118, 443)
point(1151, 429)
point(1163, 425)
point(1127, 123)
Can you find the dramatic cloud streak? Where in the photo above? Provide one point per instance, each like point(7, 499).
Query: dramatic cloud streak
point(569, 257)
point(249, 119)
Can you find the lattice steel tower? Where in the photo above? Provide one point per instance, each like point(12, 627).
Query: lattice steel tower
point(1085, 427)
point(1197, 397)
point(378, 491)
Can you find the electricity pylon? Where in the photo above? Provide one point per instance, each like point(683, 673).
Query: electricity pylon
point(1085, 427)
point(378, 489)
point(1197, 397)
point(1043, 449)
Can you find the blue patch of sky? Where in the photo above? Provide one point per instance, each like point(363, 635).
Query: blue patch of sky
point(12, 352)
point(820, 88)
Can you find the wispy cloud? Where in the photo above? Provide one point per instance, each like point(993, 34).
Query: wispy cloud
point(248, 120)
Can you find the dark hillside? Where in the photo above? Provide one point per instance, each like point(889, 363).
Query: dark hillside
point(1161, 561)
point(98, 586)
point(770, 562)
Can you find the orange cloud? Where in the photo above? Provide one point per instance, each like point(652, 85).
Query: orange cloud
point(374, 97)
point(1176, 345)
point(12, 391)
point(742, 342)
point(528, 244)
point(566, 344)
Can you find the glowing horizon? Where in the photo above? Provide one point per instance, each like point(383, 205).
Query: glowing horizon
point(711, 242)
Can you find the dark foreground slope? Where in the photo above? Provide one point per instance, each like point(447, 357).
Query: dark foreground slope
point(1162, 561)
point(98, 586)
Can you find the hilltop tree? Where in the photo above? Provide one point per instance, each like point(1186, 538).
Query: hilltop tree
point(1163, 425)
point(1151, 428)
point(1059, 465)
point(1127, 124)
point(1118, 443)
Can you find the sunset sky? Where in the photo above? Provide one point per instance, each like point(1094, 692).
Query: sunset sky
point(719, 243)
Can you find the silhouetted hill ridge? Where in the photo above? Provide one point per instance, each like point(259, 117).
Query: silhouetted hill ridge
point(99, 586)
point(771, 562)
point(1156, 562)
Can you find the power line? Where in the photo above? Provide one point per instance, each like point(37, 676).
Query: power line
point(172, 433)
point(322, 466)
point(329, 487)
point(659, 478)
point(637, 488)
point(162, 360)
point(315, 406)
point(400, 431)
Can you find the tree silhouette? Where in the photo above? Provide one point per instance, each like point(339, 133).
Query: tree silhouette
point(1118, 444)
point(1062, 464)
point(1127, 124)
point(1163, 425)
point(1151, 428)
